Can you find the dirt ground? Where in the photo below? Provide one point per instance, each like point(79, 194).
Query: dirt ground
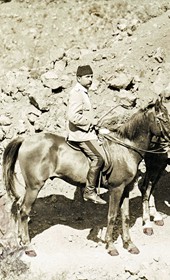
point(62, 235)
point(66, 232)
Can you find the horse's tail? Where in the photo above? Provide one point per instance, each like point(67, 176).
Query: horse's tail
point(10, 156)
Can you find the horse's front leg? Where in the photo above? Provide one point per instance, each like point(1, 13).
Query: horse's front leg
point(127, 242)
point(157, 217)
point(114, 204)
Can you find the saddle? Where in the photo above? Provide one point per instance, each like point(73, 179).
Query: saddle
point(106, 153)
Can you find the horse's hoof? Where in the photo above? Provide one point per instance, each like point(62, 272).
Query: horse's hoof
point(159, 223)
point(113, 252)
point(30, 253)
point(148, 231)
point(134, 250)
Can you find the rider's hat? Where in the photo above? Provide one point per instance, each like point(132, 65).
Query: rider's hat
point(84, 70)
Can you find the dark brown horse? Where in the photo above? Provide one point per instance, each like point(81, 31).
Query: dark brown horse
point(155, 161)
point(47, 155)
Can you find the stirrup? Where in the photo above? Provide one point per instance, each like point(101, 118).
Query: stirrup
point(94, 198)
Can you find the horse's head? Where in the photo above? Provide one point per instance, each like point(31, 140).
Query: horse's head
point(160, 121)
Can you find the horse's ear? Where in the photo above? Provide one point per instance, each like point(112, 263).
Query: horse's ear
point(158, 104)
point(161, 98)
point(150, 105)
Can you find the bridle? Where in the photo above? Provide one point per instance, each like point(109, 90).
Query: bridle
point(159, 120)
point(160, 150)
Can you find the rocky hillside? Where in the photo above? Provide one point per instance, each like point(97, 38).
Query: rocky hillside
point(43, 43)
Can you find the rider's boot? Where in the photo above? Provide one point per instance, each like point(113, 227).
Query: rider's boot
point(90, 194)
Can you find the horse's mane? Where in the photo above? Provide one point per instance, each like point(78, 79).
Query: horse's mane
point(132, 128)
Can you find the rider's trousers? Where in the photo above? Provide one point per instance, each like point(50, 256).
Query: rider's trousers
point(92, 150)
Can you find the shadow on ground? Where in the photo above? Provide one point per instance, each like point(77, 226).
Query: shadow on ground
point(58, 209)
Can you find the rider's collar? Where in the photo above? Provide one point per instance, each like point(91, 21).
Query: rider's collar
point(80, 87)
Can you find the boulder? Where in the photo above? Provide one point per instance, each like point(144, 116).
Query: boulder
point(120, 80)
point(38, 95)
point(5, 121)
point(166, 92)
point(59, 66)
point(56, 54)
point(160, 82)
point(50, 79)
point(126, 98)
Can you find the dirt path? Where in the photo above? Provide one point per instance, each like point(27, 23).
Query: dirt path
point(65, 245)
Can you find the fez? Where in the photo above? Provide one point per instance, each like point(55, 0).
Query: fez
point(84, 70)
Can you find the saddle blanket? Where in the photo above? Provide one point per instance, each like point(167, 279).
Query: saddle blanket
point(105, 152)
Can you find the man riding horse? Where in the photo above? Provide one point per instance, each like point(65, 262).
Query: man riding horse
point(45, 155)
point(81, 129)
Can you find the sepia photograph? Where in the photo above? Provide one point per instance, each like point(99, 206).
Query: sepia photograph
point(85, 140)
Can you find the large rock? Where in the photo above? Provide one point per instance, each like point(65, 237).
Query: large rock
point(59, 66)
point(161, 82)
point(126, 98)
point(120, 80)
point(50, 79)
point(5, 121)
point(56, 53)
point(38, 95)
point(14, 81)
point(166, 92)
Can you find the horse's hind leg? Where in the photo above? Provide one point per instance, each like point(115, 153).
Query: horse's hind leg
point(23, 216)
point(149, 207)
point(157, 217)
point(155, 165)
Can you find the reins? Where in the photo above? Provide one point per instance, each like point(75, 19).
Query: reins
point(138, 150)
point(105, 114)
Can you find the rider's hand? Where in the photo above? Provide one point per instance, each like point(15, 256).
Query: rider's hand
point(94, 122)
point(104, 130)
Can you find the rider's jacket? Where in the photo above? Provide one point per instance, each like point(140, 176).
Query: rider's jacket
point(80, 115)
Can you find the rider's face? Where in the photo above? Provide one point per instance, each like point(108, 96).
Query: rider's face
point(85, 80)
